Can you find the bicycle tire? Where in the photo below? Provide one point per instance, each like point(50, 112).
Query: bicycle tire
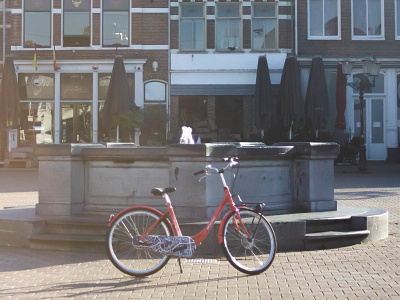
point(250, 257)
point(123, 254)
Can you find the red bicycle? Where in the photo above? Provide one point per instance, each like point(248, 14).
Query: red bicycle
point(141, 239)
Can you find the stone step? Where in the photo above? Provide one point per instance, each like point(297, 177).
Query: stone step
point(334, 239)
point(77, 227)
point(69, 242)
point(329, 224)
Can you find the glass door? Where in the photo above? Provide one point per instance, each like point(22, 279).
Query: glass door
point(375, 138)
point(76, 123)
point(374, 126)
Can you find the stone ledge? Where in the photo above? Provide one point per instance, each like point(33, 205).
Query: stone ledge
point(313, 150)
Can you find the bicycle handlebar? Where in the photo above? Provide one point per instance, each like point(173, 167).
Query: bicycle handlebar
point(199, 172)
point(231, 162)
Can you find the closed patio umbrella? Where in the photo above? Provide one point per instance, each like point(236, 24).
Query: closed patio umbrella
point(317, 98)
point(119, 99)
point(9, 96)
point(341, 83)
point(291, 106)
point(264, 109)
point(9, 103)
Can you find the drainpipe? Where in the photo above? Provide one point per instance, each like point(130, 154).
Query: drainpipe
point(4, 31)
point(169, 72)
point(295, 39)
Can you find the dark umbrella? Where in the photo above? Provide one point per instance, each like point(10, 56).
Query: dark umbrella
point(9, 97)
point(291, 107)
point(119, 99)
point(264, 109)
point(341, 83)
point(9, 101)
point(317, 99)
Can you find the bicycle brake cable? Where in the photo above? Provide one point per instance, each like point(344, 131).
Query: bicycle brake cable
point(234, 178)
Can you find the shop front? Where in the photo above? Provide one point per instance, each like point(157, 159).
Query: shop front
point(66, 106)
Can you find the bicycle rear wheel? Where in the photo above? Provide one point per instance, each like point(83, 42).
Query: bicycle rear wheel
point(251, 256)
point(131, 259)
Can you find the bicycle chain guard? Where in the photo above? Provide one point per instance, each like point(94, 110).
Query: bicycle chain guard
point(179, 246)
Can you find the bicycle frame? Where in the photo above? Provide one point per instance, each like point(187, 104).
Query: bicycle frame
point(199, 238)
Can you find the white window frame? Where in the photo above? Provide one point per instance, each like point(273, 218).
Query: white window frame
point(276, 17)
point(91, 26)
point(219, 4)
point(369, 37)
point(101, 26)
point(324, 37)
point(204, 29)
point(397, 18)
point(23, 25)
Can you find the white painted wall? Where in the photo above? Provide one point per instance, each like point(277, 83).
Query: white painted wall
point(220, 68)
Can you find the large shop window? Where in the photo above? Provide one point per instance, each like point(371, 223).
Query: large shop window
point(77, 86)
point(37, 108)
point(265, 26)
point(76, 107)
point(229, 115)
point(76, 122)
point(323, 19)
point(192, 27)
point(379, 87)
point(77, 29)
point(37, 23)
point(367, 19)
point(104, 82)
point(228, 27)
point(116, 22)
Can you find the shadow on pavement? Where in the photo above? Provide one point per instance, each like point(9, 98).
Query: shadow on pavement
point(343, 196)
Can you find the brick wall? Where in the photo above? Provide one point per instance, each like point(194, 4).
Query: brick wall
point(346, 46)
point(147, 29)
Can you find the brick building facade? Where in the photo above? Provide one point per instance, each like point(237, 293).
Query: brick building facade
point(356, 29)
point(194, 61)
point(213, 65)
point(86, 36)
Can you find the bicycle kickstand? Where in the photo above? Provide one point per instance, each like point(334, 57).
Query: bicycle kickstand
point(180, 264)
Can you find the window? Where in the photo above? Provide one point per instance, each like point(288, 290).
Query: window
point(76, 86)
point(367, 19)
point(36, 108)
point(36, 86)
point(397, 16)
point(264, 26)
point(192, 27)
point(37, 23)
point(76, 23)
point(155, 91)
point(116, 22)
point(104, 82)
point(379, 87)
point(323, 19)
point(228, 27)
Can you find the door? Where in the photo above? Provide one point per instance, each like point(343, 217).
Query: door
point(76, 123)
point(374, 124)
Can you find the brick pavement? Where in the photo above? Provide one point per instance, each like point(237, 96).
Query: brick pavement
point(365, 271)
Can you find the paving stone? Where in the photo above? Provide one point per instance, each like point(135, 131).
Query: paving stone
point(364, 271)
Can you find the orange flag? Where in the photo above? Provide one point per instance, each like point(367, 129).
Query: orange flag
point(54, 60)
point(35, 59)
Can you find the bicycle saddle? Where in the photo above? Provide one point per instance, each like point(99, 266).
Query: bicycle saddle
point(162, 191)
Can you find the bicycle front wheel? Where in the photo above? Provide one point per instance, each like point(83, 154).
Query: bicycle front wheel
point(124, 253)
point(251, 255)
